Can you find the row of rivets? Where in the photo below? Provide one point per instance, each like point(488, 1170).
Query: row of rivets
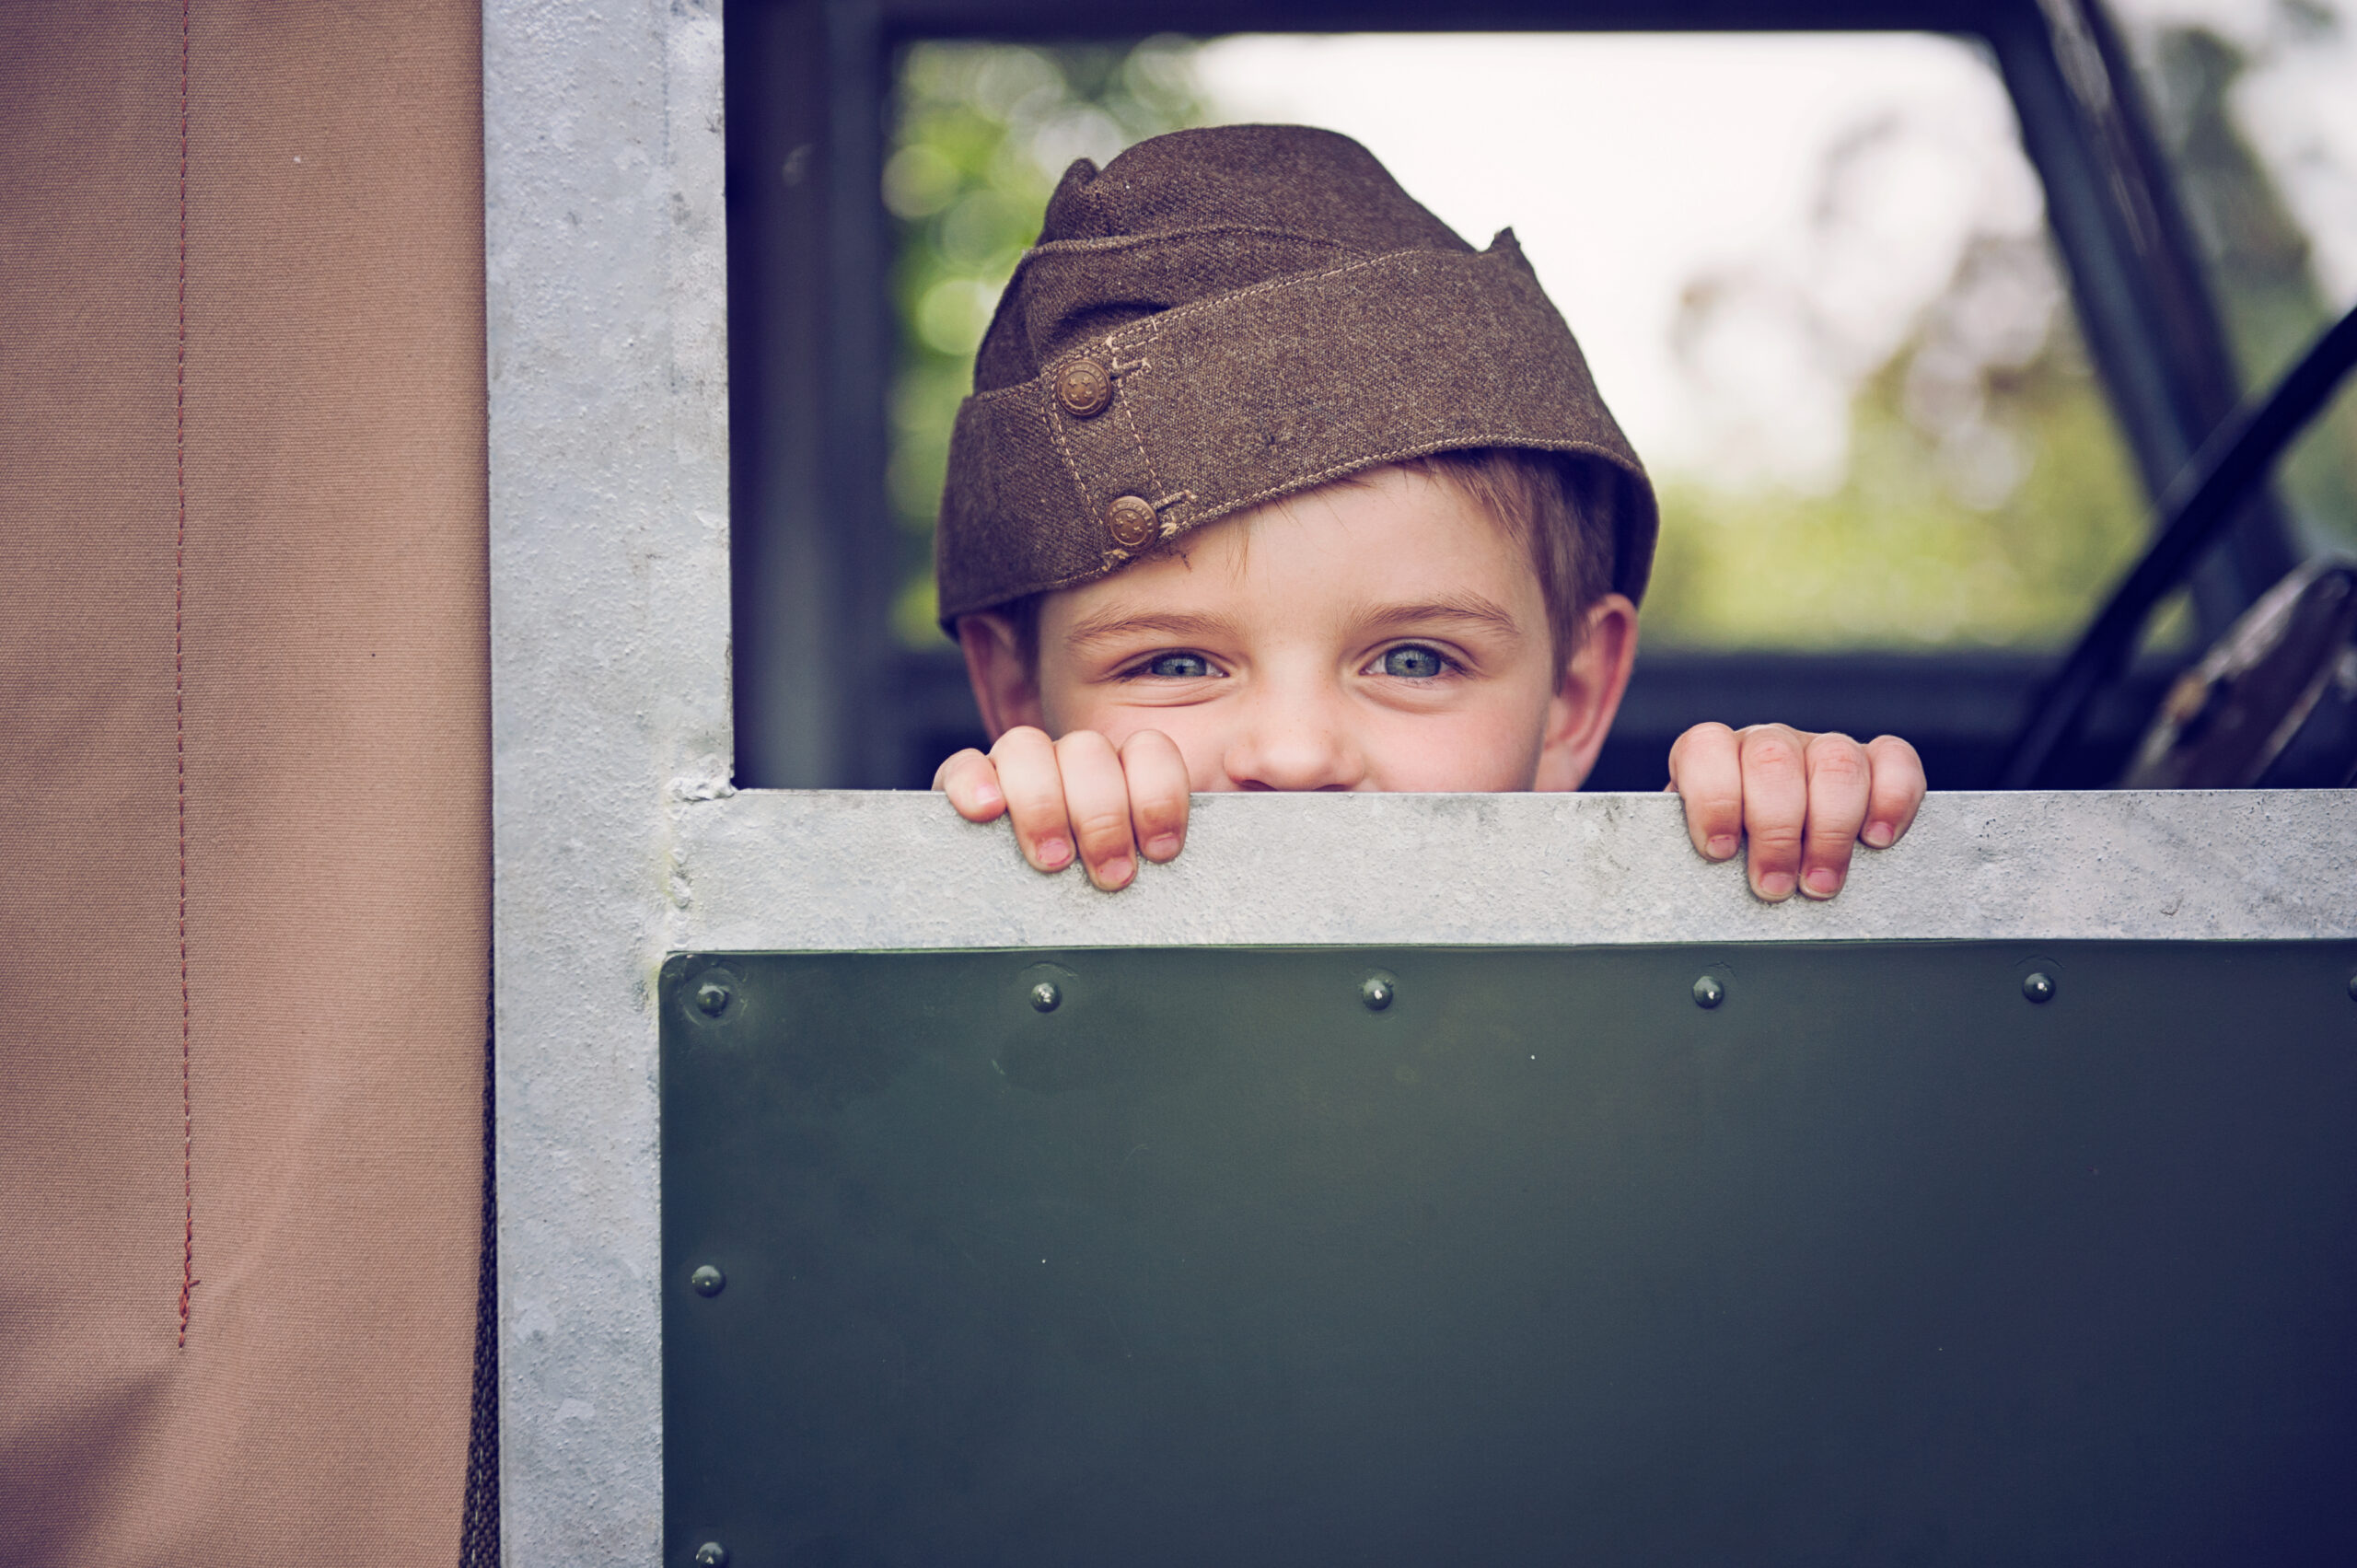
point(713, 996)
point(2038, 986)
point(1378, 991)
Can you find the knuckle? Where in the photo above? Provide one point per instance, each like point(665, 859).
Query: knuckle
point(1703, 740)
point(1839, 764)
point(1709, 733)
point(1101, 826)
point(1020, 744)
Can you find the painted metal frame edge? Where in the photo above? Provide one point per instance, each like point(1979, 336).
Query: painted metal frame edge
point(827, 870)
point(605, 263)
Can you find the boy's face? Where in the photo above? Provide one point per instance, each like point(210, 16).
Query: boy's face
point(1383, 635)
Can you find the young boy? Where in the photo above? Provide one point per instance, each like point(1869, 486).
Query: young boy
point(1270, 481)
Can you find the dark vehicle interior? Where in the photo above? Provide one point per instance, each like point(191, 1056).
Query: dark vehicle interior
point(828, 695)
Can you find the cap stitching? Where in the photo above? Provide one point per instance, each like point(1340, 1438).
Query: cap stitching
point(1154, 324)
point(1071, 464)
point(1422, 450)
point(1139, 366)
point(1130, 242)
point(1146, 330)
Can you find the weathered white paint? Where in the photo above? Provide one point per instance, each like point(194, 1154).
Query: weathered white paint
point(609, 626)
point(823, 870)
point(618, 838)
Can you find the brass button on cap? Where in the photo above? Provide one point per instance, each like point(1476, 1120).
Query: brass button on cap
point(1129, 519)
point(1083, 388)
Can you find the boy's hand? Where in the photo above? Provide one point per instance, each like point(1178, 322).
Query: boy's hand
point(1805, 801)
point(1078, 789)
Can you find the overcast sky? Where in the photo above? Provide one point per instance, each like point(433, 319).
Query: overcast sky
point(1631, 166)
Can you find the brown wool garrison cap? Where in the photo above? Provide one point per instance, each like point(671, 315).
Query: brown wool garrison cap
point(1220, 318)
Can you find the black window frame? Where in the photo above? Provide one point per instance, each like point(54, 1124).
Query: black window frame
point(826, 698)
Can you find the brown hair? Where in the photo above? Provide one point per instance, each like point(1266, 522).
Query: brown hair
point(1546, 503)
point(1543, 501)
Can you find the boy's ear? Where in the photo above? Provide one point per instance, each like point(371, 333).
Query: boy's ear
point(1588, 695)
point(1006, 689)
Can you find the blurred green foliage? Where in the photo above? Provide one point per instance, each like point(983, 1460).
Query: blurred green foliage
point(1894, 558)
point(1987, 499)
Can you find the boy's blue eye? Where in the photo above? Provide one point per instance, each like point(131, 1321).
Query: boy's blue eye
point(1178, 666)
point(1416, 664)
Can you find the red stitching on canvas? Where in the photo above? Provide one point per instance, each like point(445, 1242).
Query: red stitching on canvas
point(179, 708)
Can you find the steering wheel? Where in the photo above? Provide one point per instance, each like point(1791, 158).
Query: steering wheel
point(2202, 500)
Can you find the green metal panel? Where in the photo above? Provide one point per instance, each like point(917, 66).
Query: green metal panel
point(1877, 1261)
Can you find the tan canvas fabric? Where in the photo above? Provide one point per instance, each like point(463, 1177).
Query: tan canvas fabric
point(1219, 318)
point(327, 737)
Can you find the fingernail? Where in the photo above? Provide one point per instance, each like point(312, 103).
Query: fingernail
point(1162, 846)
point(1824, 882)
point(1720, 847)
point(1776, 885)
point(1878, 835)
point(1116, 873)
point(1053, 852)
point(986, 796)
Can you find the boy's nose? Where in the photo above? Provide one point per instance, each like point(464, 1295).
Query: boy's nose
point(1293, 744)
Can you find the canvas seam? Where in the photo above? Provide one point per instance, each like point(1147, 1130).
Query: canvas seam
point(179, 700)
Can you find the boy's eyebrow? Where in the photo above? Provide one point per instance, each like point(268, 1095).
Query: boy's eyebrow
point(1115, 623)
point(1471, 607)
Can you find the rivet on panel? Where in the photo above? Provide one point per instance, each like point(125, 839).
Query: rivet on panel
point(707, 1280)
point(1046, 997)
point(1709, 993)
point(712, 998)
point(1377, 991)
point(711, 1554)
point(2038, 986)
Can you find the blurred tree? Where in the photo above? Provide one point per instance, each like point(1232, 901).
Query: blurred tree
point(2261, 260)
point(1987, 498)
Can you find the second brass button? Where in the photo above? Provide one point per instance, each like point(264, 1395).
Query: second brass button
point(1083, 388)
point(1130, 521)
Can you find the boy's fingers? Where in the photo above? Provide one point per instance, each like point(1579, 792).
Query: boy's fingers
point(1027, 775)
point(1838, 772)
point(1775, 808)
point(1158, 776)
point(1898, 790)
point(971, 783)
point(1706, 770)
point(1096, 801)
